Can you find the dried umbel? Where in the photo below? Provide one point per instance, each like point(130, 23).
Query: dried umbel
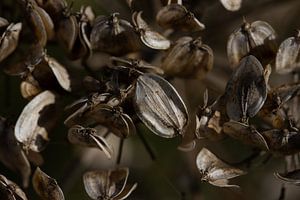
point(292, 177)
point(9, 40)
point(11, 154)
point(176, 16)
point(257, 38)
point(113, 36)
point(89, 137)
point(232, 5)
point(188, 58)
point(287, 58)
point(246, 134)
point(149, 37)
point(215, 171)
point(10, 191)
point(108, 185)
point(159, 106)
point(246, 90)
point(36, 119)
point(45, 186)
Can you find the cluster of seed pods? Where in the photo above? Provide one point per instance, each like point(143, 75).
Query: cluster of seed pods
point(129, 90)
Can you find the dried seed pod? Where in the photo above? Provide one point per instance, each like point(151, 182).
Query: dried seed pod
point(45, 186)
point(215, 171)
point(55, 8)
point(159, 106)
point(292, 177)
point(282, 142)
point(176, 16)
point(246, 90)
point(113, 118)
point(67, 32)
point(10, 190)
point(109, 184)
point(60, 73)
point(88, 137)
point(209, 121)
point(9, 40)
point(31, 129)
point(3, 22)
point(150, 38)
point(47, 21)
point(257, 38)
point(130, 65)
point(246, 134)
point(29, 90)
point(287, 57)
point(188, 58)
point(232, 5)
point(11, 154)
point(113, 36)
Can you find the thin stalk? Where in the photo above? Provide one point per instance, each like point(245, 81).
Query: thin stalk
point(119, 157)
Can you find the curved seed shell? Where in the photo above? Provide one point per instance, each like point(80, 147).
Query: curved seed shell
point(257, 38)
point(11, 154)
point(31, 127)
point(159, 106)
point(60, 73)
point(232, 5)
point(246, 90)
point(188, 58)
point(88, 137)
point(150, 38)
point(214, 170)
point(29, 90)
point(176, 16)
point(67, 32)
point(292, 177)
point(10, 190)
point(107, 184)
point(9, 40)
point(3, 22)
point(245, 134)
point(287, 57)
point(45, 186)
point(48, 23)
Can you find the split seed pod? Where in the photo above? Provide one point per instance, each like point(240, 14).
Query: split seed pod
point(159, 106)
point(176, 16)
point(110, 185)
point(46, 187)
point(287, 58)
point(9, 40)
point(246, 90)
point(232, 5)
point(36, 119)
point(215, 171)
point(246, 134)
point(188, 58)
point(257, 38)
point(113, 36)
point(113, 118)
point(88, 137)
point(11, 154)
point(149, 37)
point(292, 177)
point(10, 190)
point(29, 90)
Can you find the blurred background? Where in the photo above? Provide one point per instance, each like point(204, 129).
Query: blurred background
point(174, 174)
